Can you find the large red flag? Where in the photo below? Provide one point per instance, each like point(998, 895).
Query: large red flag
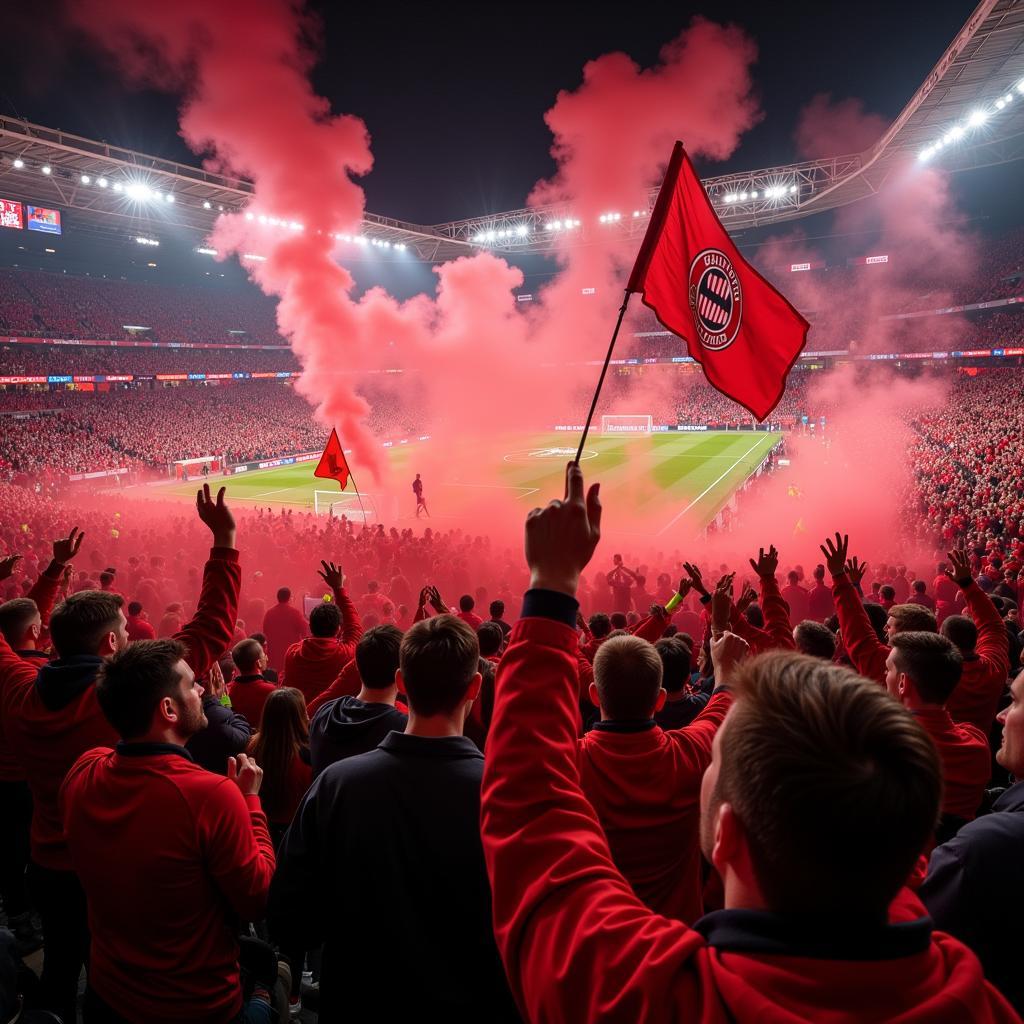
point(332, 464)
point(744, 334)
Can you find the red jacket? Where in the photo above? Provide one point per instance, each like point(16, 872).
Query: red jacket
point(778, 633)
point(348, 684)
point(866, 651)
point(141, 629)
point(167, 853)
point(313, 664)
point(983, 680)
point(53, 716)
point(43, 592)
point(283, 625)
point(471, 619)
point(644, 785)
point(248, 694)
point(579, 946)
point(966, 761)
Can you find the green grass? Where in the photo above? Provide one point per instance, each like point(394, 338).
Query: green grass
point(665, 480)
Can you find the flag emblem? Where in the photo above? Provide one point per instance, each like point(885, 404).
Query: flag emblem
point(716, 299)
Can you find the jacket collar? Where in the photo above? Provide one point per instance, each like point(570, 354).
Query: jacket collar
point(819, 938)
point(447, 747)
point(127, 748)
point(33, 655)
point(1011, 799)
point(257, 678)
point(634, 726)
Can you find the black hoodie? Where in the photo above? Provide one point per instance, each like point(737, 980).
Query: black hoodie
point(349, 726)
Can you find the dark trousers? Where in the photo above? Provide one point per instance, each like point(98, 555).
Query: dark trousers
point(96, 1011)
point(59, 898)
point(16, 814)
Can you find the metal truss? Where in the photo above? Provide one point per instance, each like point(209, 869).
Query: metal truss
point(984, 61)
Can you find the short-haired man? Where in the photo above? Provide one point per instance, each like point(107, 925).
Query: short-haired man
point(52, 717)
point(249, 689)
point(821, 794)
point(466, 613)
point(796, 597)
point(347, 726)
point(169, 855)
point(497, 612)
point(644, 782)
point(283, 626)
point(682, 703)
point(138, 626)
point(971, 889)
point(313, 663)
point(921, 672)
point(814, 639)
point(384, 855)
point(820, 604)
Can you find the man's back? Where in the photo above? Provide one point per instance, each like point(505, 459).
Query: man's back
point(796, 597)
point(165, 851)
point(399, 827)
point(248, 694)
point(348, 727)
point(283, 626)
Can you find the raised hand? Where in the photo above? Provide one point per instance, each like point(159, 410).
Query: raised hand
point(835, 554)
point(767, 564)
point(855, 569)
point(215, 685)
point(437, 601)
point(246, 774)
point(561, 538)
point(696, 581)
point(424, 596)
point(332, 575)
point(685, 586)
point(721, 604)
point(961, 573)
point(7, 565)
point(746, 599)
point(217, 516)
point(66, 548)
point(727, 651)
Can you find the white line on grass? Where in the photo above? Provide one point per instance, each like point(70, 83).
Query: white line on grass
point(501, 487)
point(680, 515)
point(267, 494)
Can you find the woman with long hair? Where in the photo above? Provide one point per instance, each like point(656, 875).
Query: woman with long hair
point(281, 748)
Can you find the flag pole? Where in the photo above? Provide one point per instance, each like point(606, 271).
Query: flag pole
point(604, 370)
point(359, 497)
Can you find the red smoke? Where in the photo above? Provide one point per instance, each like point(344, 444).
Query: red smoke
point(827, 129)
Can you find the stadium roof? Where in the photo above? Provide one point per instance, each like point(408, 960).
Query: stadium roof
point(969, 112)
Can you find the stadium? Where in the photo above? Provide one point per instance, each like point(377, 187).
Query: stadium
point(294, 724)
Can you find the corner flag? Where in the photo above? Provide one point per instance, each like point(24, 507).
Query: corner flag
point(332, 464)
point(743, 332)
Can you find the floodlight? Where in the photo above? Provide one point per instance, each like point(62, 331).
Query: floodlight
point(977, 117)
point(792, 188)
point(521, 231)
point(19, 163)
point(956, 132)
point(46, 168)
point(102, 182)
point(118, 187)
point(743, 197)
point(206, 204)
point(169, 197)
point(137, 191)
point(85, 179)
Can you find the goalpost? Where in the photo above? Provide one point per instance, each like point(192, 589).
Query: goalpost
point(331, 503)
point(619, 425)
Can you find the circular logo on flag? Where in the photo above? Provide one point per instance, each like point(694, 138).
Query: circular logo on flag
point(716, 299)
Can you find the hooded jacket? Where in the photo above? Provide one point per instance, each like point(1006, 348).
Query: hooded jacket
point(312, 664)
point(52, 716)
point(348, 726)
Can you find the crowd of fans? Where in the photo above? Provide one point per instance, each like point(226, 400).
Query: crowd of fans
point(514, 785)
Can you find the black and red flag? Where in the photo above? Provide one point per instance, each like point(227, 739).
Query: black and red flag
point(743, 332)
point(332, 464)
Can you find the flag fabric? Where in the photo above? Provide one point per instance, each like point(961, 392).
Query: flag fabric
point(743, 332)
point(332, 464)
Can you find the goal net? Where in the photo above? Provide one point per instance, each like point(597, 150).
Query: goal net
point(331, 503)
point(618, 425)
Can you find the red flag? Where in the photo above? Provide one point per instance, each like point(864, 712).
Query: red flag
point(332, 464)
point(744, 334)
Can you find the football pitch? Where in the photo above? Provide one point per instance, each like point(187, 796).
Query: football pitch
point(668, 482)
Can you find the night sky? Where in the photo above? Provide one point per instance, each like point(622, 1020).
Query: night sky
point(454, 97)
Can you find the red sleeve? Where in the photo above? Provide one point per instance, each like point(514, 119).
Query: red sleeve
point(759, 639)
point(351, 626)
point(694, 740)
point(44, 590)
point(348, 683)
point(866, 651)
point(652, 628)
point(208, 634)
point(421, 614)
point(16, 677)
point(993, 644)
point(577, 944)
point(776, 615)
point(239, 853)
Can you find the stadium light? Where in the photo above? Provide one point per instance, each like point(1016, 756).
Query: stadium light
point(19, 163)
point(956, 132)
point(142, 240)
point(137, 191)
point(478, 237)
point(85, 179)
point(490, 236)
point(46, 168)
point(743, 197)
point(792, 188)
point(521, 231)
point(206, 252)
point(977, 117)
point(253, 256)
point(753, 195)
point(1020, 87)
point(206, 204)
point(400, 246)
point(731, 197)
point(249, 216)
point(102, 182)
point(169, 197)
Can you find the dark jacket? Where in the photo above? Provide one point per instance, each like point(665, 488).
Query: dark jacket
point(971, 891)
point(676, 714)
point(383, 865)
point(226, 734)
point(348, 726)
